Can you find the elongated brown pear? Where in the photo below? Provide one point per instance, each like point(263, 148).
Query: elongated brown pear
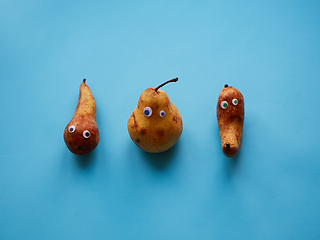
point(155, 125)
point(230, 115)
point(81, 135)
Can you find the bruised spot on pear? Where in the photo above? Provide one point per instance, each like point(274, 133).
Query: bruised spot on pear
point(160, 133)
point(80, 148)
point(155, 125)
point(81, 135)
point(230, 116)
point(134, 121)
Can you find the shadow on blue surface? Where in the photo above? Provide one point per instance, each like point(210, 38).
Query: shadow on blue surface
point(160, 161)
point(85, 161)
point(231, 165)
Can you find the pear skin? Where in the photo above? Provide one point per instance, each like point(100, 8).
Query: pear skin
point(81, 135)
point(155, 125)
point(230, 115)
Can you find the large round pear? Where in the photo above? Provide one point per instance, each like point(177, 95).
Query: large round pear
point(155, 125)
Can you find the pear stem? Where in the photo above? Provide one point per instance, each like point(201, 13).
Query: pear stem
point(84, 80)
point(161, 85)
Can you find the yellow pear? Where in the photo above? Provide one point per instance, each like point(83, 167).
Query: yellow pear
point(81, 135)
point(230, 115)
point(155, 125)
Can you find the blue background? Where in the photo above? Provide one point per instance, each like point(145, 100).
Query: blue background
point(267, 49)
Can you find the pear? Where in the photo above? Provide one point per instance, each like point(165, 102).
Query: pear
point(230, 115)
point(155, 125)
point(81, 135)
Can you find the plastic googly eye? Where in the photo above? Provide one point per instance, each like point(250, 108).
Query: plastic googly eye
point(86, 134)
point(235, 101)
point(71, 129)
point(162, 113)
point(224, 104)
point(147, 111)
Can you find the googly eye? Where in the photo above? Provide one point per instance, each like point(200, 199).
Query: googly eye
point(235, 101)
point(224, 104)
point(71, 129)
point(86, 134)
point(147, 111)
point(162, 113)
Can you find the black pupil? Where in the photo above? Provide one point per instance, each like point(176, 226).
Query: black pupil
point(71, 129)
point(87, 134)
point(146, 112)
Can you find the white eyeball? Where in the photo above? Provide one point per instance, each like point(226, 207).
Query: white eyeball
point(224, 104)
point(86, 134)
point(147, 111)
point(71, 129)
point(235, 101)
point(162, 113)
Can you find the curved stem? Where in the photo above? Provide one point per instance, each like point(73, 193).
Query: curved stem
point(161, 85)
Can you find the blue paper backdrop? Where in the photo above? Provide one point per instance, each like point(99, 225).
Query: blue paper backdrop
point(267, 49)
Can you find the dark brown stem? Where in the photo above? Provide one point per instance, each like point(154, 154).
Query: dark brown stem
point(84, 80)
point(172, 80)
point(226, 85)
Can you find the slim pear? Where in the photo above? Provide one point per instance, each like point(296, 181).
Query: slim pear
point(155, 125)
point(81, 135)
point(230, 116)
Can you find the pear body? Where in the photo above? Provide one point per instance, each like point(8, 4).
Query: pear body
point(159, 131)
point(230, 116)
point(81, 135)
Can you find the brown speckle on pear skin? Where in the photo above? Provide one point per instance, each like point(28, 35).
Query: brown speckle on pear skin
point(175, 118)
point(137, 140)
point(160, 133)
point(143, 131)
